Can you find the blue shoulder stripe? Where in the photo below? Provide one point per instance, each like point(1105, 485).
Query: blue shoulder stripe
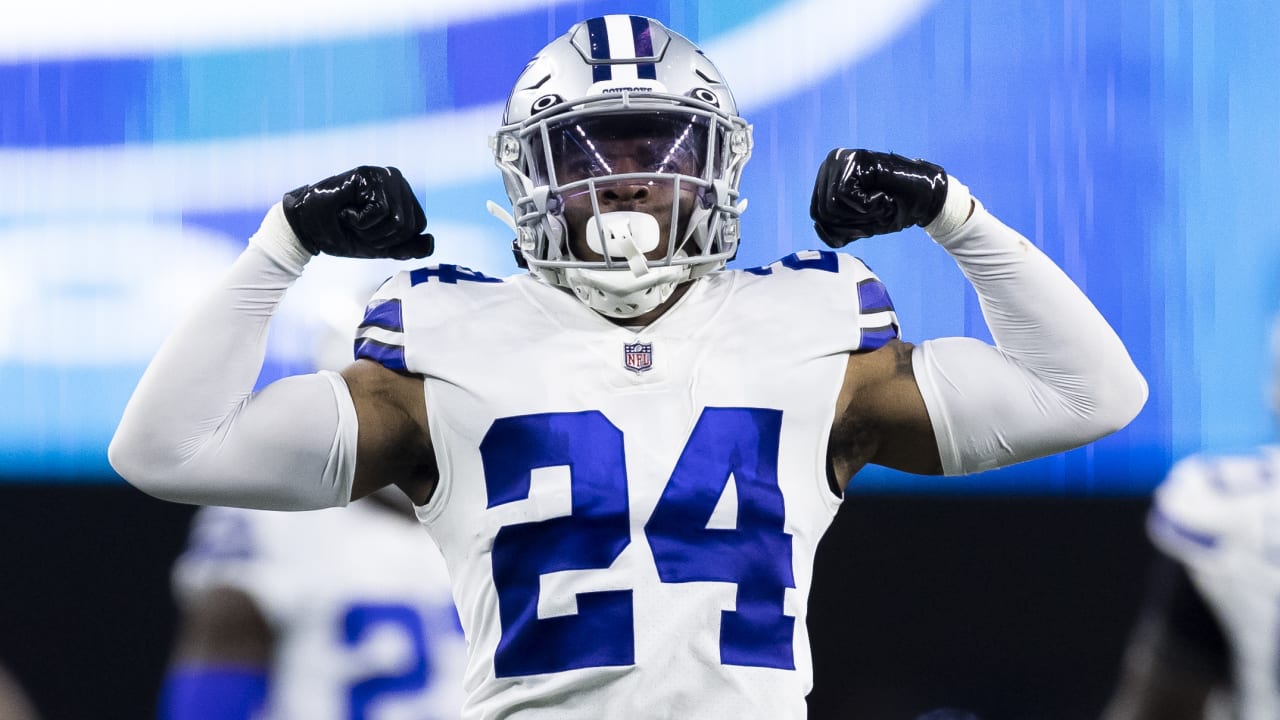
point(388, 315)
point(875, 338)
point(388, 356)
point(873, 296)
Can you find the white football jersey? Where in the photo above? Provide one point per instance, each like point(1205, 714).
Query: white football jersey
point(630, 516)
point(358, 598)
point(1221, 518)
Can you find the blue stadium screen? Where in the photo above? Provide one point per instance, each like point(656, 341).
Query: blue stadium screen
point(1135, 142)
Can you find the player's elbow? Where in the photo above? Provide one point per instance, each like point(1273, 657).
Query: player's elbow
point(1118, 394)
point(140, 463)
point(127, 459)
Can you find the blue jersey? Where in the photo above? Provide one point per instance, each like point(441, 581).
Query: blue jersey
point(630, 516)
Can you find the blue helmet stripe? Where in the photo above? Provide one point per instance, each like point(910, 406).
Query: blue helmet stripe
point(599, 36)
point(644, 47)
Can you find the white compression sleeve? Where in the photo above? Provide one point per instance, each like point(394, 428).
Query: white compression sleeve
point(195, 432)
point(1058, 376)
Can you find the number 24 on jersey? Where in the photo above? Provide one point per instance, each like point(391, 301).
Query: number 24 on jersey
point(755, 555)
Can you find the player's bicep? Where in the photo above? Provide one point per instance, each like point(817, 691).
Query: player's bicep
point(990, 409)
point(881, 417)
point(394, 442)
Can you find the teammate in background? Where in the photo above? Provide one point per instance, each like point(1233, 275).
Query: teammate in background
point(14, 703)
point(1207, 643)
point(327, 615)
point(629, 454)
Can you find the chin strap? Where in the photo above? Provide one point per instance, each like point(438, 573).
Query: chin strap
point(622, 294)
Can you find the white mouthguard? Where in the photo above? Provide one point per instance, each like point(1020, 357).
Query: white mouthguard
point(628, 234)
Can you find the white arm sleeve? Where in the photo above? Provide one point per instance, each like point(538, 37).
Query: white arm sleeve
point(1058, 376)
point(195, 432)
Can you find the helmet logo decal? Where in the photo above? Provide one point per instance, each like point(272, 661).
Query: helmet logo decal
point(637, 357)
point(545, 102)
point(705, 95)
point(619, 45)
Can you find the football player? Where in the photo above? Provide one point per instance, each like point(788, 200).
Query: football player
point(628, 454)
point(1207, 645)
point(332, 614)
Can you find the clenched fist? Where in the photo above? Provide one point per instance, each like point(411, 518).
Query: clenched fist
point(367, 212)
point(860, 193)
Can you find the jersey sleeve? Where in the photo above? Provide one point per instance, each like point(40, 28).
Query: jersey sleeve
point(877, 319)
point(380, 336)
point(428, 298)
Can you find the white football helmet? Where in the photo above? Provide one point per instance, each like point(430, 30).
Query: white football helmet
point(620, 105)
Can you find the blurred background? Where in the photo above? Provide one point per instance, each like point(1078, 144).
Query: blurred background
point(1137, 143)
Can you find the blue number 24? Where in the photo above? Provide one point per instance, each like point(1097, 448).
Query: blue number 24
point(741, 443)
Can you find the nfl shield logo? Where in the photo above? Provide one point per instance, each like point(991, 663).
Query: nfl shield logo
point(637, 357)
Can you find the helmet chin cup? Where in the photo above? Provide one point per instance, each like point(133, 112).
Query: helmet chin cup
point(621, 293)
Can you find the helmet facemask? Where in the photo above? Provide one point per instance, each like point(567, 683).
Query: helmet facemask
point(579, 173)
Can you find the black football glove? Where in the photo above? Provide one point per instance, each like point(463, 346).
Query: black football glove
point(860, 193)
point(368, 212)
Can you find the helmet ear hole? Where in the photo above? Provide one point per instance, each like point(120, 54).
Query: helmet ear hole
point(705, 95)
point(544, 102)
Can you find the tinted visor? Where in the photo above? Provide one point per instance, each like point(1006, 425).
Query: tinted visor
point(596, 146)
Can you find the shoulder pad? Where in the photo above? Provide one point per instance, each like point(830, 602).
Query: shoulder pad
point(433, 294)
point(1208, 501)
point(833, 275)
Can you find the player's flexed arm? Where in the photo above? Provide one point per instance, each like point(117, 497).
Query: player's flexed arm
point(195, 432)
point(1058, 376)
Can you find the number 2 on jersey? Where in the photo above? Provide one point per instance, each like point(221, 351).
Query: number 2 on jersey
point(359, 623)
point(741, 443)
